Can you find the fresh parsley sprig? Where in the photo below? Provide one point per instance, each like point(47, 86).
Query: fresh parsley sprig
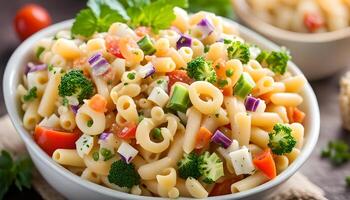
point(18, 172)
point(100, 14)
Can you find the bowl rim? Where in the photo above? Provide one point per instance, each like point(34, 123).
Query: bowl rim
point(243, 11)
point(13, 66)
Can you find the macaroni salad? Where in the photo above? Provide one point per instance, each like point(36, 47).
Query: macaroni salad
point(309, 16)
point(191, 111)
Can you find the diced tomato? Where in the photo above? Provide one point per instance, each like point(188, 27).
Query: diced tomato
point(142, 31)
point(265, 163)
point(127, 132)
point(178, 76)
point(50, 140)
point(113, 46)
point(202, 138)
point(313, 21)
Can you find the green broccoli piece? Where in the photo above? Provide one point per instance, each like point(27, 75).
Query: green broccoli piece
point(123, 174)
point(31, 95)
point(238, 50)
point(188, 166)
point(211, 167)
point(74, 83)
point(276, 61)
point(201, 70)
point(281, 140)
point(337, 151)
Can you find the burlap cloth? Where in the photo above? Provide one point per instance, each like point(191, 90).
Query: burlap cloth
point(297, 187)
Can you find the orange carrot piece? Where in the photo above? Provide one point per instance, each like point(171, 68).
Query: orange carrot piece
point(227, 91)
point(265, 163)
point(98, 103)
point(202, 138)
point(295, 115)
point(298, 115)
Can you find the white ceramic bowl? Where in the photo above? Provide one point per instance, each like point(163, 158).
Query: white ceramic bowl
point(73, 187)
point(318, 55)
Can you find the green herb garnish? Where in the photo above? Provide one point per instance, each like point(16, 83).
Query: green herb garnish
point(31, 95)
point(18, 172)
point(337, 151)
point(39, 51)
point(101, 14)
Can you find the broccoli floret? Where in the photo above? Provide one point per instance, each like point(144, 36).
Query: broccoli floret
point(238, 50)
point(201, 70)
point(74, 83)
point(211, 167)
point(188, 166)
point(123, 174)
point(281, 140)
point(276, 60)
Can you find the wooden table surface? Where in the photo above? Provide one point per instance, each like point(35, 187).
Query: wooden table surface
point(320, 171)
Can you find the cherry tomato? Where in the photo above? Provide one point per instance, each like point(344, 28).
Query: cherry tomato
point(50, 140)
point(128, 132)
point(178, 76)
point(113, 47)
point(30, 19)
point(313, 21)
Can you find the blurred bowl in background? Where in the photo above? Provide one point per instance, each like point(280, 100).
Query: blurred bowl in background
point(317, 54)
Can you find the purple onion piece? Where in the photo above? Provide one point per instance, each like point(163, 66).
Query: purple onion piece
point(74, 109)
point(251, 103)
point(205, 27)
point(221, 139)
point(104, 136)
point(33, 68)
point(100, 67)
point(220, 40)
point(94, 58)
point(184, 41)
point(256, 105)
point(146, 70)
point(128, 161)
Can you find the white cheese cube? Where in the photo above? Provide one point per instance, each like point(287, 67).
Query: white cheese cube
point(242, 161)
point(158, 96)
point(84, 145)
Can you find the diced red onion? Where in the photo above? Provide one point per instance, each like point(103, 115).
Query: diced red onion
point(100, 65)
point(205, 27)
point(93, 59)
point(127, 152)
point(184, 41)
point(104, 135)
point(251, 103)
point(74, 109)
point(33, 68)
point(221, 139)
point(146, 70)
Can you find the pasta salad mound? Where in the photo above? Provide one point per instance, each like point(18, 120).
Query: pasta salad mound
point(183, 108)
